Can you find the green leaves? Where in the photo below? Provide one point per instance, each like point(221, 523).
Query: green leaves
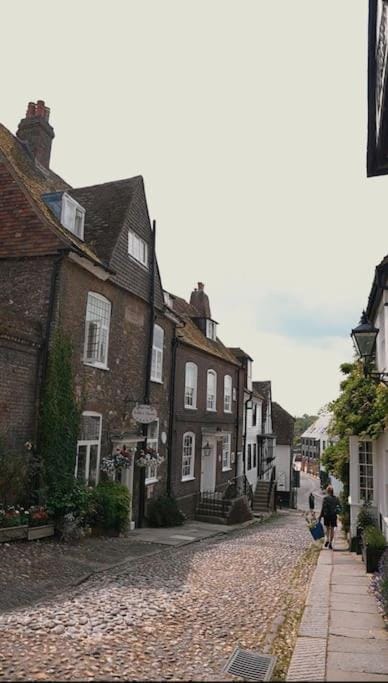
point(59, 419)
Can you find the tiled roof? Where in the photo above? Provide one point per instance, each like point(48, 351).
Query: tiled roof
point(106, 206)
point(283, 425)
point(192, 335)
point(318, 428)
point(264, 388)
point(239, 353)
point(36, 181)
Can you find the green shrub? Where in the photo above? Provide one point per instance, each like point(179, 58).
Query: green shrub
point(373, 538)
point(365, 517)
point(345, 512)
point(164, 511)
point(110, 506)
point(76, 501)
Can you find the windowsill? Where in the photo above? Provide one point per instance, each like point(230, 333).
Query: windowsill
point(187, 478)
point(190, 407)
point(96, 365)
point(211, 410)
point(157, 381)
point(139, 263)
point(228, 411)
point(226, 469)
point(151, 481)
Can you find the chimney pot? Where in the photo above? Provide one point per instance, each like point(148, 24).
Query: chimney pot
point(30, 110)
point(201, 286)
point(37, 132)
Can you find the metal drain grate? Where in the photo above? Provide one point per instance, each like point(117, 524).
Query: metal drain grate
point(250, 665)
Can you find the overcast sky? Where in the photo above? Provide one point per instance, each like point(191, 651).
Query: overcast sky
point(247, 119)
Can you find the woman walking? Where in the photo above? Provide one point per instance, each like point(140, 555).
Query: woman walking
point(330, 507)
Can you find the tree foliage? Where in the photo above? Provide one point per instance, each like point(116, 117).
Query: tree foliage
point(361, 409)
point(59, 419)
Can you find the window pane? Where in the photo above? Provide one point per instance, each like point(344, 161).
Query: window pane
point(81, 463)
point(93, 457)
point(90, 428)
point(158, 337)
point(97, 326)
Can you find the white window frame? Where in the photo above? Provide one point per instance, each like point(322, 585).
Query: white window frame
point(228, 394)
point(190, 476)
point(89, 443)
point(211, 329)
point(226, 452)
point(152, 470)
point(157, 358)
point(191, 366)
point(137, 248)
point(213, 404)
point(369, 473)
point(70, 211)
point(88, 360)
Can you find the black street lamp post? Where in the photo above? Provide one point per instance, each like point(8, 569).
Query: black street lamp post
point(364, 338)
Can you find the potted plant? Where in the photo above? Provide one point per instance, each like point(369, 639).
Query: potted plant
point(40, 524)
point(365, 518)
point(13, 523)
point(373, 546)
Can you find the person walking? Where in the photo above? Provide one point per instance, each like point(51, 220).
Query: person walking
point(311, 501)
point(330, 507)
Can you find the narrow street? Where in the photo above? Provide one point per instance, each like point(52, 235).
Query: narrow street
point(308, 484)
point(178, 615)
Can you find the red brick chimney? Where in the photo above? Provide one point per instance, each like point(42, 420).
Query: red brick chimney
point(200, 301)
point(37, 132)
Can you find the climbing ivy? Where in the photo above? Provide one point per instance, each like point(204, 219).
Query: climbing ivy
point(59, 419)
point(361, 409)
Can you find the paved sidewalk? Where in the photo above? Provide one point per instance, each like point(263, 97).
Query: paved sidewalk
point(342, 636)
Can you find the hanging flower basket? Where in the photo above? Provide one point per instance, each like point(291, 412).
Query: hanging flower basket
point(121, 459)
point(147, 456)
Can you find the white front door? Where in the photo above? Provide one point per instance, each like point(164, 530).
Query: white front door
point(208, 468)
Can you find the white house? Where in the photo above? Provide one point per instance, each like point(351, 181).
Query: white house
point(315, 439)
point(283, 426)
point(368, 465)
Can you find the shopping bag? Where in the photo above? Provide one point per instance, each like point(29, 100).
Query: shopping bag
point(317, 531)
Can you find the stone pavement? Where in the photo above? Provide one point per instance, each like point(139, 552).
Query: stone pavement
point(32, 571)
point(342, 635)
point(174, 615)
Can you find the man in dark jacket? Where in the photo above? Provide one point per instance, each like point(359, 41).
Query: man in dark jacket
point(330, 506)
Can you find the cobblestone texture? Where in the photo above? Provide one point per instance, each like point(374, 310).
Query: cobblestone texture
point(174, 616)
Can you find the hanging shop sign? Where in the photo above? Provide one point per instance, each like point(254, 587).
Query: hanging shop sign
point(144, 413)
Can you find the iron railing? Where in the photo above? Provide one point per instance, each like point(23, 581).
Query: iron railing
point(239, 486)
point(218, 502)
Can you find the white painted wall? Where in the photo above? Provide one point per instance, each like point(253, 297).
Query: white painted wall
point(282, 463)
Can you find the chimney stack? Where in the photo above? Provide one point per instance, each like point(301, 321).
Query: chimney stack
point(37, 132)
point(200, 301)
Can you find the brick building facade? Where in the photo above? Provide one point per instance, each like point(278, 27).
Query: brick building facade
point(82, 261)
point(207, 424)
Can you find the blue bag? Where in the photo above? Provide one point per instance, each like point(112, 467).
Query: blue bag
point(317, 531)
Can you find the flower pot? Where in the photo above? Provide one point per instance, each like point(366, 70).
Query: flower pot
point(35, 532)
point(13, 533)
point(371, 557)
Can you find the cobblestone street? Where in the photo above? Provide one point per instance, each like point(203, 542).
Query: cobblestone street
point(177, 615)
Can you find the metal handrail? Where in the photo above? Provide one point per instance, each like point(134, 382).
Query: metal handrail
point(239, 486)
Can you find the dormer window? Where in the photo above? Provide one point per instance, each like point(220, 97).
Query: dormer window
point(137, 248)
point(73, 216)
point(211, 329)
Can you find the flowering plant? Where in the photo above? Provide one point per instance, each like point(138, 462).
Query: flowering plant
point(147, 456)
point(122, 458)
point(13, 515)
point(38, 515)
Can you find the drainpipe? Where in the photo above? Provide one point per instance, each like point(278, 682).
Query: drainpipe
point(245, 430)
point(171, 425)
point(147, 383)
point(237, 422)
point(46, 341)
